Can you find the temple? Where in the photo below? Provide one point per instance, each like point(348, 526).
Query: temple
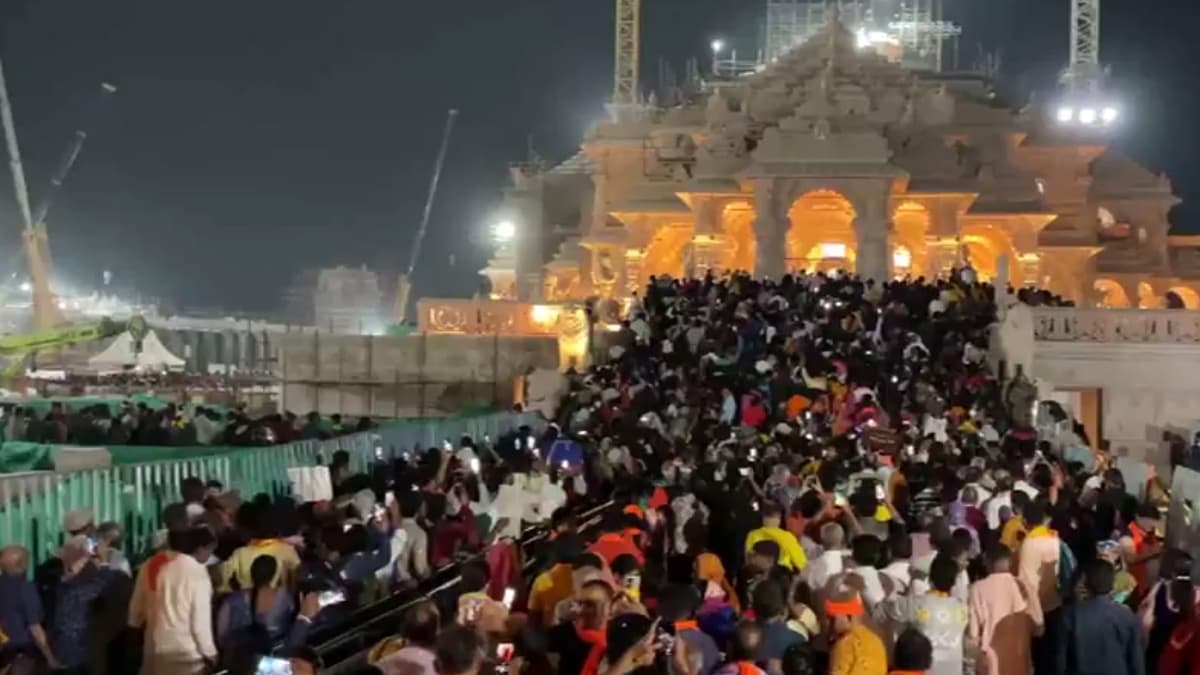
point(835, 156)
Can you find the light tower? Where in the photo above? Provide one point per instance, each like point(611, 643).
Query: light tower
point(1085, 102)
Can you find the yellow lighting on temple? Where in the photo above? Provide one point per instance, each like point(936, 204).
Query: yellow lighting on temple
point(543, 315)
point(901, 258)
point(832, 249)
point(573, 338)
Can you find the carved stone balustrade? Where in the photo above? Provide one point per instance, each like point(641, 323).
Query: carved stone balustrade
point(1076, 324)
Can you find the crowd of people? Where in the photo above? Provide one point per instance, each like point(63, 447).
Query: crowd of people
point(135, 423)
point(812, 475)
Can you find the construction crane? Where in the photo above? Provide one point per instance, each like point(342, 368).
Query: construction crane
point(1083, 71)
point(34, 240)
point(404, 288)
point(628, 51)
point(72, 154)
point(1085, 101)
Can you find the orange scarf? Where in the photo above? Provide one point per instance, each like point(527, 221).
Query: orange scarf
point(681, 626)
point(1138, 535)
point(154, 567)
point(852, 607)
point(599, 642)
point(709, 568)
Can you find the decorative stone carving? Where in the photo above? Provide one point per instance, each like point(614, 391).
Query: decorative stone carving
point(1075, 324)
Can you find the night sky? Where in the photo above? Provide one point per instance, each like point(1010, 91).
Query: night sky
point(253, 138)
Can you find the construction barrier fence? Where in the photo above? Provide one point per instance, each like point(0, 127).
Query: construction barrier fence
point(33, 504)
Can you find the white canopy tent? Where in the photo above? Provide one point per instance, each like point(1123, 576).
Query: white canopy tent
point(121, 356)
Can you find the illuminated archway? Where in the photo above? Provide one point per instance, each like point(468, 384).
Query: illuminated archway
point(1111, 294)
point(910, 225)
point(821, 232)
point(827, 256)
point(664, 254)
point(737, 222)
point(1147, 298)
point(984, 245)
point(1189, 296)
point(902, 262)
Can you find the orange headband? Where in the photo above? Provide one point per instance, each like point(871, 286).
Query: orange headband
point(852, 607)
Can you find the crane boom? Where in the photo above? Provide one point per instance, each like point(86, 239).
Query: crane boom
point(46, 314)
point(1083, 71)
point(14, 154)
point(68, 160)
point(628, 51)
point(405, 286)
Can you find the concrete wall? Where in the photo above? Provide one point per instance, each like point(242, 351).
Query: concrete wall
point(1145, 389)
point(421, 375)
point(1139, 370)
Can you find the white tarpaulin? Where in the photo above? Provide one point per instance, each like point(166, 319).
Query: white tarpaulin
point(120, 355)
point(311, 483)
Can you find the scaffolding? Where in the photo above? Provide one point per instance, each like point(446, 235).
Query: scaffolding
point(913, 29)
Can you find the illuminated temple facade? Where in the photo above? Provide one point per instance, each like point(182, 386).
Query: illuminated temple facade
point(833, 157)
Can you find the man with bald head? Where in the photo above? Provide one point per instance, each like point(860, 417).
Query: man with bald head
point(21, 615)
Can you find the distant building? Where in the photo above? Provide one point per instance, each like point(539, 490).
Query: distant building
point(298, 297)
point(348, 300)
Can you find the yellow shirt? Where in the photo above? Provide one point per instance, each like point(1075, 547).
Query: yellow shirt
point(1012, 532)
point(859, 651)
point(550, 588)
point(791, 554)
point(238, 565)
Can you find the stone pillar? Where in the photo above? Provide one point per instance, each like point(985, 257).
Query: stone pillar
point(871, 228)
point(634, 259)
point(1000, 286)
point(770, 231)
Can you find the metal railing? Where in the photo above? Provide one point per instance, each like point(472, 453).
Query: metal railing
point(32, 505)
point(346, 645)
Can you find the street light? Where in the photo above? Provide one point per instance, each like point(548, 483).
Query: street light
point(504, 231)
point(718, 45)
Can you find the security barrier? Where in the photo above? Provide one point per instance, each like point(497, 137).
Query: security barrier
point(33, 504)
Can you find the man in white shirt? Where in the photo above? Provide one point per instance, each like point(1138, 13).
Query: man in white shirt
point(866, 552)
point(410, 544)
point(1001, 500)
point(179, 621)
point(832, 560)
point(898, 573)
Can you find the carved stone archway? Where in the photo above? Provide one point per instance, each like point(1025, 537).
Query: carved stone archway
point(868, 197)
point(1111, 294)
point(820, 232)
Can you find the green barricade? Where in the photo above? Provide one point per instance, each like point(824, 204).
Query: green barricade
point(32, 504)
